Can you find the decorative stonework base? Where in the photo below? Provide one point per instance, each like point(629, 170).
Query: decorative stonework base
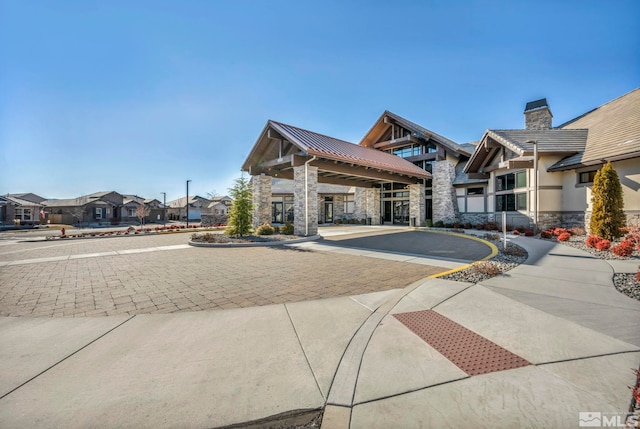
point(305, 207)
point(261, 188)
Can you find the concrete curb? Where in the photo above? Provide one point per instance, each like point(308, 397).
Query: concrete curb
point(255, 244)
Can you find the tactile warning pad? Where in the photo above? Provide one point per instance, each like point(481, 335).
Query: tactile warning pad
point(472, 353)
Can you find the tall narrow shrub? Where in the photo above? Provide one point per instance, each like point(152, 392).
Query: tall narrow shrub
point(241, 212)
point(607, 217)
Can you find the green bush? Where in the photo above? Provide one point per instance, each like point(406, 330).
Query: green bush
point(276, 229)
point(439, 224)
point(265, 229)
point(287, 229)
point(428, 223)
point(240, 214)
point(607, 216)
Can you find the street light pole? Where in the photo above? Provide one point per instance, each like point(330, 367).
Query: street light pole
point(535, 187)
point(187, 203)
point(164, 208)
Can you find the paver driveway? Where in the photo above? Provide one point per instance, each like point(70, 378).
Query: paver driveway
point(145, 275)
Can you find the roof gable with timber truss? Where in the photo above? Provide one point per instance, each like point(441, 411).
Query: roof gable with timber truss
point(391, 131)
point(520, 144)
point(282, 147)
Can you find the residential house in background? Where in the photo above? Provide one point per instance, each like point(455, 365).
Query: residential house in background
point(96, 208)
point(21, 209)
point(177, 209)
point(130, 204)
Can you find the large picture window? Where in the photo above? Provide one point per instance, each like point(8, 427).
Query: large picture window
point(349, 204)
point(511, 202)
point(510, 181)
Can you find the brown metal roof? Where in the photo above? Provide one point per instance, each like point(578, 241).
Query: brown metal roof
point(334, 149)
point(553, 140)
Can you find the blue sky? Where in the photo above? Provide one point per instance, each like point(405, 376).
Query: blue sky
point(138, 96)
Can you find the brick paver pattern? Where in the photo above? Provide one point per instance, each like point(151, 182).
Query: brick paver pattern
point(190, 279)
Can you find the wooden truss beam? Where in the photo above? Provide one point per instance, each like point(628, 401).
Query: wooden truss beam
point(361, 172)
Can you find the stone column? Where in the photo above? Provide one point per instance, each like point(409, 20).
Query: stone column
point(305, 202)
point(359, 204)
point(261, 188)
point(416, 204)
point(445, 204)
point(372, 205)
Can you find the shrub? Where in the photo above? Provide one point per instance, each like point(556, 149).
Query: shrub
point(480, 226)
point(287, 229)
point(428, 223)
point(514, 250)
point(591, 241)
point(625, 248)
point(565, 236)
point(633, 235)
point(456, 225)
point(492, 237)
point(546, 234)
point(265, 229)
point(577, 230)
point(363, 221)
point(638, 275)
point(487, 268)
point(516, 232)
point(241, 212)
point(529, 233)
point(521, 229)
point(439, 224)
point(448, 225)
point(276, 229)
point(559, 231)
point(607, 216)
point(467, 226)
point(491, 226)
point(603, 245)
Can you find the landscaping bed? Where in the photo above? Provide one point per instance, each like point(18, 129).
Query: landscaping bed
point(221, 238)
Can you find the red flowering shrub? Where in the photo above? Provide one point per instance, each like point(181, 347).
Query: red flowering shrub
point(564, 236)
point(638, 277)
point(529, 233)
point(546, 234)
point(603, 245)
point(591, 241)
point(479, 226)
point(558, 231)
point(516, 232)
point(625, 248)
point(633, 235)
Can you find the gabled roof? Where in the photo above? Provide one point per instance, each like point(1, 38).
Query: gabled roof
point(418, 130)
point(462, 178)
point(28, 196)
point(181, 202)
point(333, 149)
point(614, 132)
point(521, 142)
point(21, 202)
point(67, 202)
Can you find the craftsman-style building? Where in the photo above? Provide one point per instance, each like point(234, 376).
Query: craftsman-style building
point(403, 173)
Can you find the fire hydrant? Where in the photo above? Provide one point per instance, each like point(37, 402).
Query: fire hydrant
point(62, 232)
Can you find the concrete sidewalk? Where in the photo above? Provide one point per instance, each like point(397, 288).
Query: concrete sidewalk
point(356, 358)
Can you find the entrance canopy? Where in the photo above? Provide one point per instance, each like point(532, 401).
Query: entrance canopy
point(282, 147)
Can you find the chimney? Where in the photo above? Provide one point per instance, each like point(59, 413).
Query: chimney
point(537, 115)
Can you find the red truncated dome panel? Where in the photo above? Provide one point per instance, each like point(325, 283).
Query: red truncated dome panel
point(469, 351)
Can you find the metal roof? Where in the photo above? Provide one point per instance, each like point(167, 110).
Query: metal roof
point(331, 148)
point(421, 131)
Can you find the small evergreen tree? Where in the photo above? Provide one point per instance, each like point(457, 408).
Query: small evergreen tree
point(607, 216)
point(241, 212)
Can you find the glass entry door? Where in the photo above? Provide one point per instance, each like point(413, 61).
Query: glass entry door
point(401, 212)
point(328, 212)
point(276, 212)
point(387, 214)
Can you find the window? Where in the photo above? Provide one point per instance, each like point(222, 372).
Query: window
point(511, 181)
point(430, 148)
point(406, 151)
point(131, 212)
point(23, 214)
point(587, 176)
point(475, 191)
point(349, 204)
point(98, 212)
point(511, 202)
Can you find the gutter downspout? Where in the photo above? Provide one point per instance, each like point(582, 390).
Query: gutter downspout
point(306, 197)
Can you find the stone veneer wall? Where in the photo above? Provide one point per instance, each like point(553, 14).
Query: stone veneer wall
point(445, 203)
point(261, 188)
point(539, 119)
point(338, 207)
point(372, 207)
point(474, 218)
point(417, 208)
point(299, 200)
point(359, 204)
